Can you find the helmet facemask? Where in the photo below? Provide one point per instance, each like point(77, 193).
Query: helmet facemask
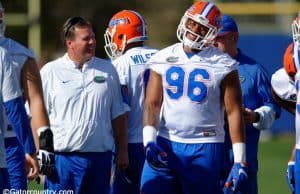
point(296, 29)
point(125, 27)
point(2, 23)
point(200, 41)
point(110, 47)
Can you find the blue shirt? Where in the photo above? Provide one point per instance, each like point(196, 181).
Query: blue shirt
point(256, 92)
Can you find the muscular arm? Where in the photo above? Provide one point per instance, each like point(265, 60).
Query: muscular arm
point(31, 83)
point(233, 105)
point(153, 100)
point(287, 105)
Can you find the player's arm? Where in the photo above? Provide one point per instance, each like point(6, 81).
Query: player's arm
point(155, 155)
point(233, 103)
point(290, 106)
point(231, 91)
point(119, 125)
point(31, 83)
point(269, 111)
point(153, 100)
point(32, 86)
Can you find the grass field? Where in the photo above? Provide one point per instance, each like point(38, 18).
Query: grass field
point(273, 157)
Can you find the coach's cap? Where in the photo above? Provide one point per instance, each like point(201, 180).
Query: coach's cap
point(228, 25)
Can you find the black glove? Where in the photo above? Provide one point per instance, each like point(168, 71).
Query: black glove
point(45, 154)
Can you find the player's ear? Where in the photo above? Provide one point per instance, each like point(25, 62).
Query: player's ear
point(235, 37)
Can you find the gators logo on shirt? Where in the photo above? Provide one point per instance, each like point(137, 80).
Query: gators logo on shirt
point(242, 79)
point(172, 59)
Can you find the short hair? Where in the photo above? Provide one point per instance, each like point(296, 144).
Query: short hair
point(69, 26)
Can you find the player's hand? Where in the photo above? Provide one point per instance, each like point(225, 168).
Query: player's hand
point(290, 176)
point(46, 162)
point(237, 178)
point(32, 166)
point(249, 116)
point(128, 175)
point(156, 156)
point(122, 160)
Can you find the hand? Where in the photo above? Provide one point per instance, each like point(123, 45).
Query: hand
point(128, 175)
point(290, 176)
point(250, 116)
point(46, 162)
point(156, 156)
point(121, 160)
point(32, 166)
point(237, 178)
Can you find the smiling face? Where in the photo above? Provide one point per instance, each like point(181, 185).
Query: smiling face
point(81, 47)
point(195, 29)
point(199, 26)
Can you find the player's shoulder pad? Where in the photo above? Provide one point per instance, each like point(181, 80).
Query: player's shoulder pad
point(216, 56)
point(15, 48)
point(165, 55)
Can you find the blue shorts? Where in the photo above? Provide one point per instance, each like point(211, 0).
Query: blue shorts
point(192, 169)
point(4, 179)
point(15, 157)
point(131, 182)
point(297, 172)
point(81, 172)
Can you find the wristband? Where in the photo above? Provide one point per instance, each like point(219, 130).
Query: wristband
point(149, 134)
point(239, 152)
point(291, 163)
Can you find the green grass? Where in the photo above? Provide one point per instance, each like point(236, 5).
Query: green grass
point(273, 157)
point(32, 185)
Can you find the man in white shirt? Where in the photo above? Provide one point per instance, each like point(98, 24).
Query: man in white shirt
point(129, 56)
point(86, 111)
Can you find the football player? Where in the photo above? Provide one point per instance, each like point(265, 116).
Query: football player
point(291, 66)
point(12, 101)
point(191, 83)
point(124, 44)
point(284, 93)
point(283, 80)
point(25, 66)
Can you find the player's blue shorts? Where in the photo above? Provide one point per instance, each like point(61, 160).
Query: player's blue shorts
point(81, 172)
point(297, 171)
point(129, 181)
point(4, 179)
point(15, 157)
point(192, 169)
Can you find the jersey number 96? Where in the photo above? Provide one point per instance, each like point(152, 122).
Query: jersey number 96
point(192, 84)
